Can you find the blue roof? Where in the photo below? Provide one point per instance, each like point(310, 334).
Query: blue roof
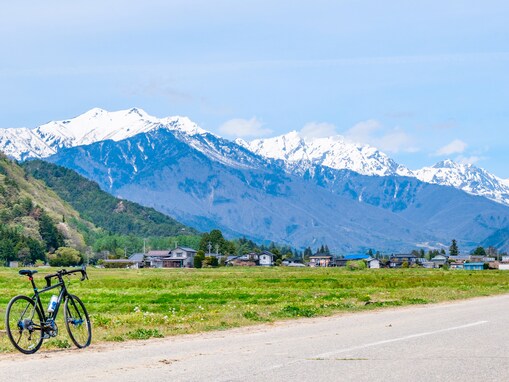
point(359, 256)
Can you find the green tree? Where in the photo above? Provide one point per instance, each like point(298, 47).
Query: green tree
point(479, 251)
point(210, 261)
point(198, 259)
point(453, 249)
point(49, 233)
point(215, 238)
point(64, 257)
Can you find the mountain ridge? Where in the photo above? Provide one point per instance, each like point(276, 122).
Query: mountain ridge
point(262, 201)
point(298, 154)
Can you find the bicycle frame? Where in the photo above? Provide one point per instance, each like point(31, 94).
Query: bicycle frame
point(36, 297)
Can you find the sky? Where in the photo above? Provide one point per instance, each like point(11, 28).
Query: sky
point(421, 80)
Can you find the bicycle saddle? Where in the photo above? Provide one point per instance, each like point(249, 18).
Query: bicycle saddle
point(27, 272)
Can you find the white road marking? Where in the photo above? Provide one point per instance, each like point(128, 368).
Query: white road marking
point(405, 338)
point(371, 344)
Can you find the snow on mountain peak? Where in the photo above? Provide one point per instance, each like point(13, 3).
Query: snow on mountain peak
point(334, 152)
point(466, 177)
point(92, 126)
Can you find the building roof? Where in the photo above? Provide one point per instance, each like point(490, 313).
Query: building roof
point(158, 253)
point(187, 249)
point(359, 256)
point(137, 257)
point(404, 256)
point(476, 264)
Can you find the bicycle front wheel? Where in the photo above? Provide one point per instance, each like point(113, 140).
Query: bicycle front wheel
point(77, 321)
point(23, 323)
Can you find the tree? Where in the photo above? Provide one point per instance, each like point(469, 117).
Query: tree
point(479, 251)
point(64, 257)
point(453, 249)
point(210, 261)
point(198, 259)
point(215, 238)
point(49, 233)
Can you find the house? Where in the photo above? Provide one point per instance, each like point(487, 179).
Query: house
point(473, 266)
point(179, 257)
point(456, 265)
point(264, 259)
point(293, 262)
point(503, 266)
point(155, 258)
point(439, 261)
point(320, 261)
point(138, 259)
point(240, 260)
point(459, 259)
point(373, 263)
point(397, 261)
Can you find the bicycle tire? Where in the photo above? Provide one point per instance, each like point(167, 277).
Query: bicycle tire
point(77, 321)
point(21, 326)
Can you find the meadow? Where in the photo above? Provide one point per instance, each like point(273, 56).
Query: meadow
point(150, 303)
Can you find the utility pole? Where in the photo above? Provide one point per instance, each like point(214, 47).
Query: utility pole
point(209, 247)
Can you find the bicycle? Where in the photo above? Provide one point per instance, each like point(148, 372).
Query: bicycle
point(27, 323)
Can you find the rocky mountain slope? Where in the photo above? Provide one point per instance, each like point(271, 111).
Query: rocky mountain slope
point(344, 209)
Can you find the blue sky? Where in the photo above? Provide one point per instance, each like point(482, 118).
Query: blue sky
point(421, 80)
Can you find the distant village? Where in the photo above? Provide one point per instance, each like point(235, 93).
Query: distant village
point(184, 257)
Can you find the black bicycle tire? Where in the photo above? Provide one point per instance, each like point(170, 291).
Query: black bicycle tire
point(8, 327)
point(67, 322)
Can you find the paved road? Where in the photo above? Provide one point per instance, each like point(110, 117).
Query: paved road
point(463, 341)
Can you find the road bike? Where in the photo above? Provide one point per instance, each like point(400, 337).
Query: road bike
point(27, 323)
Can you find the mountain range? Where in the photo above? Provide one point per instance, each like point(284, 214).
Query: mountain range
point(288, 189)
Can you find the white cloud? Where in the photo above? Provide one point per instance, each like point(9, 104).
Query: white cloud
point(244, 128)
point(472, 159)
point(391, 140)
point(455, 147)
point(318, 130)
point(363, 131)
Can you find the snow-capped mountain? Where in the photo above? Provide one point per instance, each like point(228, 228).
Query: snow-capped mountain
point(93, 126)
point(301, 154)
point(298, 154)
point(466, 177)
point(22, 143)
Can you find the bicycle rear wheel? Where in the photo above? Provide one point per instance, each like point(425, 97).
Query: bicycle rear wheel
point(23, 323)
point(77, 321)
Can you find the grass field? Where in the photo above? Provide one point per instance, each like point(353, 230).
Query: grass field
point(140, 304)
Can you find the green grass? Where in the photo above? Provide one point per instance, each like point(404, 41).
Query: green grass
point(152, 303)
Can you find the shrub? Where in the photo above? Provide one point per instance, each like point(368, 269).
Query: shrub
point(119, 264)
point(356, 265)
point(64, 257)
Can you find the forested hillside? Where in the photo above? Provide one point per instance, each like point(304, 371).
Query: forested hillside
point(105, 211)
point(33, 219)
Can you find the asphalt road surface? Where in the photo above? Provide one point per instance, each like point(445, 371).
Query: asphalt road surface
point(460, 341)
